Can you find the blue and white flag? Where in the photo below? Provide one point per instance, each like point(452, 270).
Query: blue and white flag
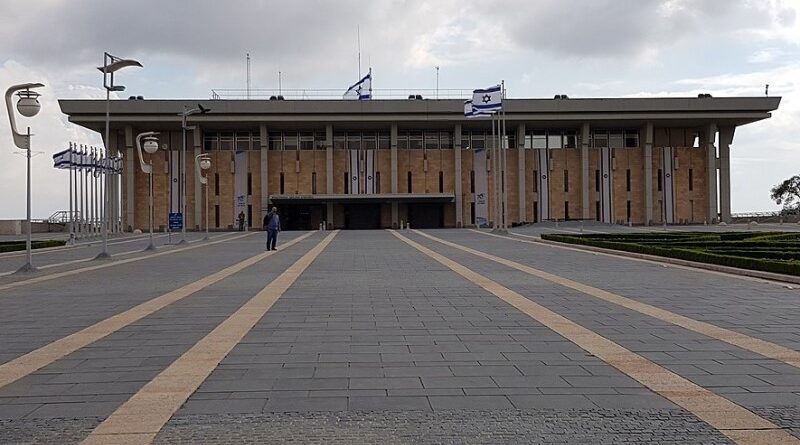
point(63, 159)
point(487, 100)
point(470, 112)
point(361, 90)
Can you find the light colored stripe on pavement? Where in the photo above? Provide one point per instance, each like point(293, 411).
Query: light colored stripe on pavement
point(763, 347)
point(111, 263)
point(738, 423)
point(39, 358)
point(86, 260)
point(141, 417)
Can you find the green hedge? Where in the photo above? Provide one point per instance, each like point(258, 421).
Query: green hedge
point(11, 246)
point(762, 264)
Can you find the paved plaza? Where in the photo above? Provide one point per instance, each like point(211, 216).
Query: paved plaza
point(434, 336)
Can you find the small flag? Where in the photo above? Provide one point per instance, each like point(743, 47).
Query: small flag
point(470, 112)
point(361, 90)
point(487, 100)
point(63, 159)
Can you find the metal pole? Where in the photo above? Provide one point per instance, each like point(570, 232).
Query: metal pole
point(79, 191)
point(150, 246)
point(104, 255)
point(71, 224)
point(494, 178)
point(504, 148)
point(183, 184)
point(28, 267)
point(206, 187)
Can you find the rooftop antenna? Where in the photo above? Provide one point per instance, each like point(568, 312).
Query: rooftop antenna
point(248, 76)
point(279, 83)
point(358, 39)
point(437, 81)
point(766, 90)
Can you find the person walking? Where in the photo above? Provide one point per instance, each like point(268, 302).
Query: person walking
point(272, 224)
point(241, 221)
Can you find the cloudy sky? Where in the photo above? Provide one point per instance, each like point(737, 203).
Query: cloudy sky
point(584, 48)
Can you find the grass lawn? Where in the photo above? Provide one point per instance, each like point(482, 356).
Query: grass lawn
point(11, 246)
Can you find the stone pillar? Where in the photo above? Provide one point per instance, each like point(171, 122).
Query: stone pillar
point(130, 174)
point(197, 134)
point(725, 141)
point(263, 146)
point(521, 201)
point(585, 209)
point(648, 173)
point(457, 173)
point(711, 171)
point(393, 142)
point(329, 172)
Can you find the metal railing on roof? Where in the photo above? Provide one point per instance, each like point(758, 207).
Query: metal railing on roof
point(337, 93)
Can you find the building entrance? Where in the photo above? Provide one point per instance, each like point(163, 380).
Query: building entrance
point(426, 216)
point(362, 216)
point(301, 217)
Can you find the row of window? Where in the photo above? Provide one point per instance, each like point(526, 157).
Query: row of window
point(414, 140)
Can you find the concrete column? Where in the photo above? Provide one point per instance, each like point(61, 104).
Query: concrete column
point(648, 173)
point(585, 209)
point(725, 141)
point(711, 171)
point(521, 201)
point(263, 146)
point(130, 173)
point(329, 171)
point(393, 142)
point(197, 134)
point(457, 177)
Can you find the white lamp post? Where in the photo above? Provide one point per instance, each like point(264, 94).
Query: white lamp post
point(202, 162)
point(150, 146)
point(111, 64)
point(184, 114)
point(28, 106)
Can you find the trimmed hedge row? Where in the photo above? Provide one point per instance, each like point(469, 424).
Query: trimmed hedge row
point(12, 246)
point(766, 265)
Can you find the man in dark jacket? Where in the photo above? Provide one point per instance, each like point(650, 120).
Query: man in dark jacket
point(272, 224)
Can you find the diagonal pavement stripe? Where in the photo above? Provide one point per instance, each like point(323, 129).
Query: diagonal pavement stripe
point(762, 347)
point(39, 358)
point(53, 276)
point(738, 423)
point(139, 419)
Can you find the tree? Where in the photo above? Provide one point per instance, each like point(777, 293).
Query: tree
point(787, 193)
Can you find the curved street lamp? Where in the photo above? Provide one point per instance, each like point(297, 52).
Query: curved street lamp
point(202, 162)
point(111, 64)
point(28, 106)
point(150, 146)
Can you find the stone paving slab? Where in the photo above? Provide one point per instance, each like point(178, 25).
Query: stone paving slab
point(495, 426)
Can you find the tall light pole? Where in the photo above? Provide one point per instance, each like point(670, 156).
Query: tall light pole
point(111, 64)
point(202, 162)
point(150, 146)
point(184, 114)
point(28, 106)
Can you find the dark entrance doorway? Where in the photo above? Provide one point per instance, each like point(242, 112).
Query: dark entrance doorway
point(301, 217)
point(426, 216)
point(362, 216)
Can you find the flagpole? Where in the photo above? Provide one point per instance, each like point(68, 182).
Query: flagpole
point(503, 143)
point(83, 191)
point(494, 177)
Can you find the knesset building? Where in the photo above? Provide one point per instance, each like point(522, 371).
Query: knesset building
point(377, 163)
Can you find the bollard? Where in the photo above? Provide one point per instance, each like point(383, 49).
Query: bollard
point(401, 225)
point(630, 224)
point(408, 226)
point(320, 227)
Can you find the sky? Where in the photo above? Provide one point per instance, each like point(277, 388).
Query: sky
point(582, 48)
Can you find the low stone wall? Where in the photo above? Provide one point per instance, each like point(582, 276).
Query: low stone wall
point(17, 227)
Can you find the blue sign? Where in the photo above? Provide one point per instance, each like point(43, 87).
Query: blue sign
point(175, 221)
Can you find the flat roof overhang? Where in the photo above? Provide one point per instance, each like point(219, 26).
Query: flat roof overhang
point(430, 114)
point(377, 198)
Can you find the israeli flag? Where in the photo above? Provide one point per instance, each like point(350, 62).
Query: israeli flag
point(470, 112)
point(361, 90)
point(63, 159)
point(487, 100)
